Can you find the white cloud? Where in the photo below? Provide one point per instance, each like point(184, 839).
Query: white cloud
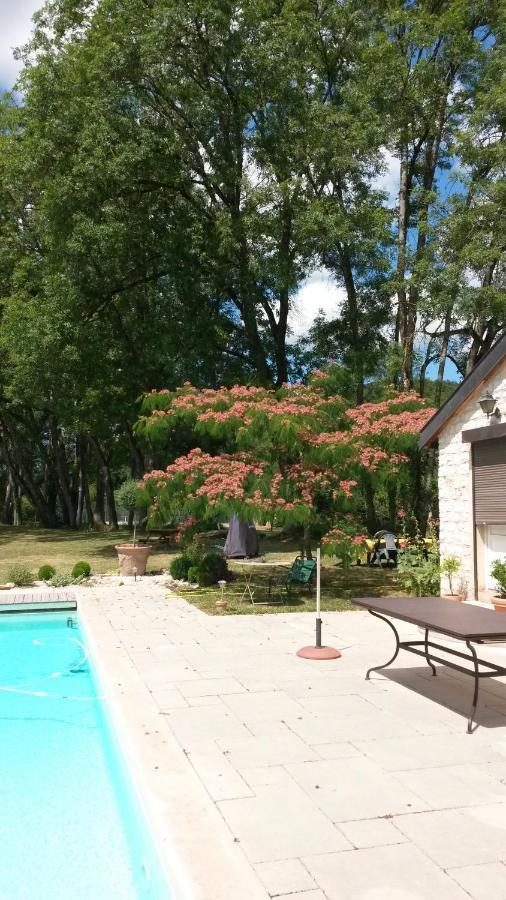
point(318, 292)
point(388, 181)
point(15, 29)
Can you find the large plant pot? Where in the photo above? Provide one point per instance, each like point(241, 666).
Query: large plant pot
point(457, 597)
point(499, 603)
point(132, 559)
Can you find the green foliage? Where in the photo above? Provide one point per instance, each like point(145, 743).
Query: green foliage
point(498, 571)
point(212, 568)
point(63, 579)
point(81, 569)
point(129, 495)
point(46, 572)
point(193, 574)
point(420, 573)
point(450, 565)
point(20, 575)
point(179, 567)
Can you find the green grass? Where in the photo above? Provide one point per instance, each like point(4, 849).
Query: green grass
point(338, 586)
point(62, 549)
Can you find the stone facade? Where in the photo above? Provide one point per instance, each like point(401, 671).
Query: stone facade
point(455, 478)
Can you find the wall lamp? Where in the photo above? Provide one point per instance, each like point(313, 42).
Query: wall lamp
point(488, 405)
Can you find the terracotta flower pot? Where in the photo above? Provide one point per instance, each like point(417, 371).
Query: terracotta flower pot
point(132, 559)
point(457, 597)
point(221, 604)
point(499, 604)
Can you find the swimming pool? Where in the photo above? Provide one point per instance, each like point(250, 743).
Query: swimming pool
point(70, 823)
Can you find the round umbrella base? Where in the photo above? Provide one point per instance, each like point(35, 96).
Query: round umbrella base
point(318, 653)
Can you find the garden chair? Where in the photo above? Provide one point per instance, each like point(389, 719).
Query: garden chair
point(302, 573)
point(386, 550)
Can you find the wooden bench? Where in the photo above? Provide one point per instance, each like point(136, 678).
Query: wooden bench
point(302, 572)
point(464, 621)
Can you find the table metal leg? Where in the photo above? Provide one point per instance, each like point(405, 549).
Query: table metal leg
point(476, 687)
point(397, 644)
point(427, 652)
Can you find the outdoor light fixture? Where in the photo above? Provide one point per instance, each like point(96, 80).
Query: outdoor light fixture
point(487, 403)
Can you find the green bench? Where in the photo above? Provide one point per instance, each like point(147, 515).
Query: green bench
point(302, 573)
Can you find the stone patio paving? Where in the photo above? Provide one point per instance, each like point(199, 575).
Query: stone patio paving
point(331, 786)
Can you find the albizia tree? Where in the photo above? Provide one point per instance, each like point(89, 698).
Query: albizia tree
point(294, 456)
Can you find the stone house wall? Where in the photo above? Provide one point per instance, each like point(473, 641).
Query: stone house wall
point(455, 478)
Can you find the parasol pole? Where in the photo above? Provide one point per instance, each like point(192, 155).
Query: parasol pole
point(318, 652)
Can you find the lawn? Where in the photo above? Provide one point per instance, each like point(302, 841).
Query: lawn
point(61, 548)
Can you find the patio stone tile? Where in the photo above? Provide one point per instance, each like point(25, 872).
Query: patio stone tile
point(485, 882)
point(279, 823)
point(169, 698)
point(398, 872)
point(454, 786)
point(341, 705)
point(207, 700)
point(459, 837)
point(372, 833)
point(220, 778)
point(353, 727)
point(429, 751)
point(253, 707)
point(285, 877)
point(252, 752)
point(303, 895)
point(209, 686)
point(357, 789)
point(339, 750)
point(197, 723)
point(265, 775)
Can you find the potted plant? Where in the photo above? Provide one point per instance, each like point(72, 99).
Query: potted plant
point(132, 557)
point(449, 567)
point(498, 571)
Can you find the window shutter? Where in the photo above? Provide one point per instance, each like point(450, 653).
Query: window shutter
point(489, 478)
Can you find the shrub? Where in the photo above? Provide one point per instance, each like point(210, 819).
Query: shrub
point(129, 495)
point(193, 574)
point(62, 579)
point(20, 575)
point(420, 574)
point(498, 571)
point(46, 572)
point(449, 567)
point(212, 568)
point(179, 567)
point(81, 569)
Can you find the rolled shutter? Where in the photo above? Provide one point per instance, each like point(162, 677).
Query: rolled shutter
point(489, 479)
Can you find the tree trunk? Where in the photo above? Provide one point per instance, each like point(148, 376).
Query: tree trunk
point(99, 513)
point(307, 542)
point(370, 510)
point(105, 473)
point(402, 313)
point(83, 480)
point(67, 502)
point(443, 354)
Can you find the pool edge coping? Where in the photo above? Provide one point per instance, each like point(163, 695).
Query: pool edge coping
point(195, 846)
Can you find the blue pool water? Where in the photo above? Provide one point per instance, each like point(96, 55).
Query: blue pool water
point(70, 826)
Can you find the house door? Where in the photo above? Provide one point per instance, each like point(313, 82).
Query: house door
point(496, 549)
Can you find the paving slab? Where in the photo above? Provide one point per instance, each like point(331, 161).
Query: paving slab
point(286, 876)
point(354, 789)
point(279, 823)
point(398, 872)
point(485, 882)
point(252, 752)
point(372, 833)
point(459, 837)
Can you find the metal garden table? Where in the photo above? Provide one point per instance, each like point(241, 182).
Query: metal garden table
point(464, 621)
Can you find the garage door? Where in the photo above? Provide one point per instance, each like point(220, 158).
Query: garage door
point(489, 479)
point(496, 549)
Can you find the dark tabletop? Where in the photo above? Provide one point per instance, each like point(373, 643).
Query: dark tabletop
point(460, 620)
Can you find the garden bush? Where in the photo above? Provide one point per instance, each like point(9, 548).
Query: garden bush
point(498, 571)
point(193, 574)
point(62, 579)
point(179, 567)
point(46, 572)
point(211, 569)
point(82, 569)
point(20, 575)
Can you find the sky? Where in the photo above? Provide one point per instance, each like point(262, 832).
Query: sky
point(15, 28)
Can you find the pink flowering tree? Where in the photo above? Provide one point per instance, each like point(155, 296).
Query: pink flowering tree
point(295, 456)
